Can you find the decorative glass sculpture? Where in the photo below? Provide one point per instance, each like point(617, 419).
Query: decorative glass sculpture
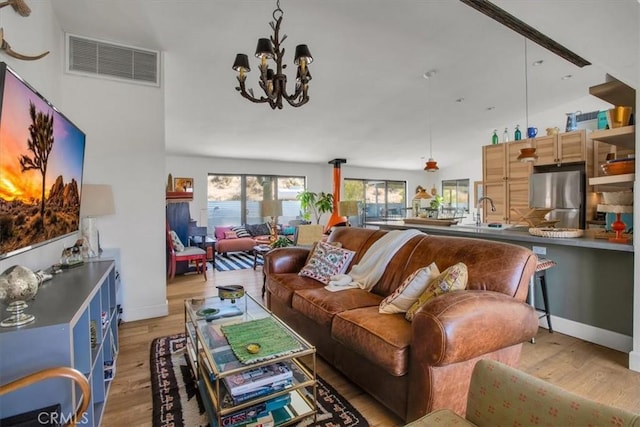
point(18, 284)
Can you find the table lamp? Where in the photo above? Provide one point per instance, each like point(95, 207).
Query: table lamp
point(272, 209)
point(96, 200)
point(348, 208)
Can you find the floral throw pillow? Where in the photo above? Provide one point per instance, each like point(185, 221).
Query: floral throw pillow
point(453, 278)
point(413, 286)
point(175, 240)
point(325, 261)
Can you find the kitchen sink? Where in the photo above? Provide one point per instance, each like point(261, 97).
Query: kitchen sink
point(484, 226)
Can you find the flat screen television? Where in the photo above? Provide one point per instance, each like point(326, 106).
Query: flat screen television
point(41, 165)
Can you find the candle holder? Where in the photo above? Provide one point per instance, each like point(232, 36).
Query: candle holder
point(618, 225)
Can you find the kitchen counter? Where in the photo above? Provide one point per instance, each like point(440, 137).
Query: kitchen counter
point(516, 234)
point(591, 289)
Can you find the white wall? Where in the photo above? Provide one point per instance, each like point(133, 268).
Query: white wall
point(124, 124)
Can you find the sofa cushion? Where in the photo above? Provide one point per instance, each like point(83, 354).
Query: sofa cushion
point(220, 230)
point(381, 338)
point(176, 242)
point(258, 229)
point(452, 279)
point(241, 231)
point(282, 286)
point(402, 298)
point(325, 261)
point(322, 305)
point(230, 234)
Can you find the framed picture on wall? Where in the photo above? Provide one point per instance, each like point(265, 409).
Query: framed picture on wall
point(183, 184)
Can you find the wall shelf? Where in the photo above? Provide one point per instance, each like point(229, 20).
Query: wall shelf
point(622, 137)
point(69, 311)
point(615, 92)
point(627, 178)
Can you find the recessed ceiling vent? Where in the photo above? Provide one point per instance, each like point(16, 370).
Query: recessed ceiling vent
point(113, 61)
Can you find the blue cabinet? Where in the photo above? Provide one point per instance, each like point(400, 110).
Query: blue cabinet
point(76, 325)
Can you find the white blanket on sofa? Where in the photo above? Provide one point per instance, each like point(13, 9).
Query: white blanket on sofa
point(367, 272)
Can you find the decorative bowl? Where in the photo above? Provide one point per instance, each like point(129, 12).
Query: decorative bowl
point(232, 292)
point(618, 197)
point(618, 167)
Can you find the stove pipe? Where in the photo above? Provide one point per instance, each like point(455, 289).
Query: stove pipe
point(335, 219)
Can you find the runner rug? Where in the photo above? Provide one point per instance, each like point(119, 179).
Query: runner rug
point(176, 401)
point(235, 261)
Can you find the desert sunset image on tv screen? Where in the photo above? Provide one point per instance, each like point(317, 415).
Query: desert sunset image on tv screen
point(41, 160)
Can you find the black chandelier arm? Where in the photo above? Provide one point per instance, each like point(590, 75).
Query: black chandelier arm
point(243, 92)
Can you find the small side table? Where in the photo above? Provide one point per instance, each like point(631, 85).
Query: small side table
point(259, 250)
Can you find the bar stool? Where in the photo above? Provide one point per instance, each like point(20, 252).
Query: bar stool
point(543, 265)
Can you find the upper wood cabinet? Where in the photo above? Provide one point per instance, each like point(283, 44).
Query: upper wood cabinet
point(500, 162)
point(506, 180)
point(567, 147)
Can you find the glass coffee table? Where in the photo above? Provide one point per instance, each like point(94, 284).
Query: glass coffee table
point(272, 388)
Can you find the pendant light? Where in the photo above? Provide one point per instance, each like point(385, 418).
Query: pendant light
point(431, 165)
point(527, 154)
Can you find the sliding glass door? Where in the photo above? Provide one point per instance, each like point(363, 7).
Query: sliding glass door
point(237, 199)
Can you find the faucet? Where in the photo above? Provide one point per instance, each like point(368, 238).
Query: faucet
point(480, 200)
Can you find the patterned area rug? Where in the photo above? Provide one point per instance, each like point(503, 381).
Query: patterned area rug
point(176, 402)
point(235, 261)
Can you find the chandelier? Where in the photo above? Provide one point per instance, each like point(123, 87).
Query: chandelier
point(274, 82)
point(431, 165)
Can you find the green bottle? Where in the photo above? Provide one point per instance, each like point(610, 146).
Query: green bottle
point(517, 135)
point(494, 138)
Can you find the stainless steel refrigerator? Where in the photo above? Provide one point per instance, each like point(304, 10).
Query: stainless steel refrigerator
point(561, 191)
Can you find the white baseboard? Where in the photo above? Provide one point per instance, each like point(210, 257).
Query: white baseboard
point(592, 334)
point(147, 312)
point(634, 361)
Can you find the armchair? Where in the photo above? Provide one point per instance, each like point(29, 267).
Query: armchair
point(58, 372)
point(500, 395)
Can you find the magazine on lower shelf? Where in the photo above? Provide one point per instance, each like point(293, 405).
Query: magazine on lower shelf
point(252, 379)
point(228, 400)
point(254, 412)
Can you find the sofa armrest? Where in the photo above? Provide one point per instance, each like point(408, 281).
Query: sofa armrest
point(285, 260)
point(461, 325)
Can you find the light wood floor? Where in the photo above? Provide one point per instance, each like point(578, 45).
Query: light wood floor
point(587, 369)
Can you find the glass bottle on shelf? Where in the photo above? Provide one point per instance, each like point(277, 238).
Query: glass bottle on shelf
point(517, 135)
point(505, 135)
point(494, 138)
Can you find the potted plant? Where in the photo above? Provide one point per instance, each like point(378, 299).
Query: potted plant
point(318, 203)
point(281, 242)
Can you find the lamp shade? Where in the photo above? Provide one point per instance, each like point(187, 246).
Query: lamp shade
point(431, 166)
point(271, 207)
point(241, 62)
point(348, 208)
point(302, 52)
point(96, 200)
point(265, 48)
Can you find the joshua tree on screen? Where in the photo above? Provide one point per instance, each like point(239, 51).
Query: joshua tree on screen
point(40, 143)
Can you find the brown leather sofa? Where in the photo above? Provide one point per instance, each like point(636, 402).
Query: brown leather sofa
point(414, 367)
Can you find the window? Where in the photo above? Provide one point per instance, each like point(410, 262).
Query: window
point(455, 194)
point(381, 199)
point(236, 199)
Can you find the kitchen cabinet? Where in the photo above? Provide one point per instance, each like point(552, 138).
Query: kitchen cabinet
point(569, 147)
point(506, 180)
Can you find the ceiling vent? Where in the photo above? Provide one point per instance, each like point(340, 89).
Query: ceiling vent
point(98, 58)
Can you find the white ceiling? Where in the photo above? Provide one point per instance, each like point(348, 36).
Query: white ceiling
point(369, 101)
